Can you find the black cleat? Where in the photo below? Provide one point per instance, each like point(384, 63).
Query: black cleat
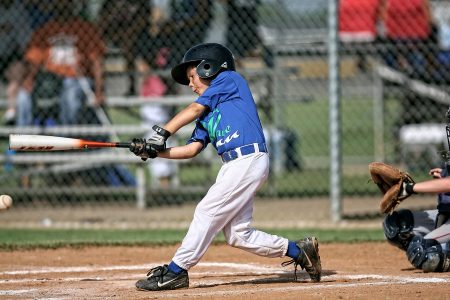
point(308, 259)
point(161, 278)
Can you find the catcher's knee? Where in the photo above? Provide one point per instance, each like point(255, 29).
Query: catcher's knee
point(428, 255)
point(398, 228)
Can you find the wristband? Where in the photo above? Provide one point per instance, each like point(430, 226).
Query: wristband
point(161, 131)
point(409, 188)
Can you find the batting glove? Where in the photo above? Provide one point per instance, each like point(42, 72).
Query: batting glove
point(142, 149)
point(158, 139)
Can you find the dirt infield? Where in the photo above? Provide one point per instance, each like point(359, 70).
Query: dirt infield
point(350, 271)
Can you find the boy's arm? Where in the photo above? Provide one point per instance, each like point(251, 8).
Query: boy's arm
point(184, 117)
point(182, 152)
point(157, 140)
point(97, 70)
point(441, 185)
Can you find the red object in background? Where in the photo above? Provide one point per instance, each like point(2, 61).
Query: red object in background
point(407, 19)
point(153, 86)
point(358, 17)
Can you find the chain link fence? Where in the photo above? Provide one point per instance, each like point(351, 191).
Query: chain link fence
point(100, 70)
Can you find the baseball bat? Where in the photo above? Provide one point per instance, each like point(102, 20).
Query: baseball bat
point(29, 142)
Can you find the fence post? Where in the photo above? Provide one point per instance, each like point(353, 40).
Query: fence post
point(334, 112)
point(140, 187)
point(378, 117)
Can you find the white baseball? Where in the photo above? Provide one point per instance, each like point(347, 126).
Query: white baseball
point(5, 202)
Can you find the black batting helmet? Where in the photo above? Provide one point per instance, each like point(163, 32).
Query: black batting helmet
point(209, 58)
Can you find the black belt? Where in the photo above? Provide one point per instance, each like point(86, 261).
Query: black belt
point(242, 151)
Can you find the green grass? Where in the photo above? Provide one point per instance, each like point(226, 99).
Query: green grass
point(14, 239)
point(310, 121)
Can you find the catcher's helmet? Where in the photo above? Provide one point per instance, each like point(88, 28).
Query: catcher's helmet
point(210, 59)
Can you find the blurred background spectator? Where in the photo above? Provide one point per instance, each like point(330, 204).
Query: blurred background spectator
point(15, 31)
point(412, 43)
point(184, 23)
point(358, 27)
point(242, 36)
point(175, 26)
point(162, 171)
point(39, 12)
point(120, 21)
point(64, 81)
point(408, 27)
point(64, 54)
point(442, 16)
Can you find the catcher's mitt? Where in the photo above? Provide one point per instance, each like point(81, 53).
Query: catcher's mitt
point(391, 182)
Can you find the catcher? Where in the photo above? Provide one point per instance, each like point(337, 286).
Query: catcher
point(424, 235)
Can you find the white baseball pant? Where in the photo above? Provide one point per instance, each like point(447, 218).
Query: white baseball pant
point(228, 207)
point(424, 223)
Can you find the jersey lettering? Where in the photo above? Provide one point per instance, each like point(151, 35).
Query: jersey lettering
point(222, 142)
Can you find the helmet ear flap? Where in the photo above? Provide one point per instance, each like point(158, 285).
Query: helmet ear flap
point(209, 58)
point(207, 69)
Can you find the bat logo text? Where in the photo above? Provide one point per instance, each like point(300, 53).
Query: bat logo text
point(36, 148)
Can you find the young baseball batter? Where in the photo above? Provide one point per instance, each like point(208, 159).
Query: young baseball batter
point(226, 117)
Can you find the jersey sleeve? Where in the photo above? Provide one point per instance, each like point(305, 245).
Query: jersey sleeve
point(199, 134)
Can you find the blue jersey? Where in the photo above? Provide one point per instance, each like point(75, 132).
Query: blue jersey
point(231, 120)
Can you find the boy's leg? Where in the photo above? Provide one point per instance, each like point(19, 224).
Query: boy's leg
point(402, 225)
point(304, 252)
point(440, 234)
point(234, 216)
point(428, 254)
point(24, 108)
point(239, 233)
point(230, 196)
point(236, 182)
point(71, 101)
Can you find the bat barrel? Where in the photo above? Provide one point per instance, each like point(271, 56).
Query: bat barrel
point(23, 142)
